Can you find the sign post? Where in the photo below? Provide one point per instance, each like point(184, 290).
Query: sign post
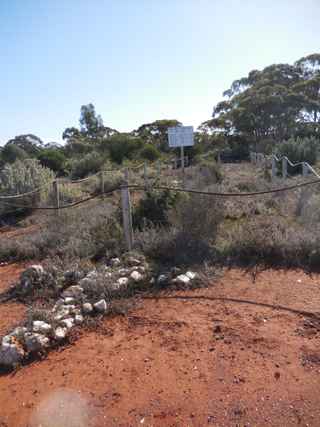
point(181, 136)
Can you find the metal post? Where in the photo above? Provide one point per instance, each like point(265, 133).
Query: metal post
point(56, 195)
point(284, 168)
point(126, 212)
point(182, 163)
point(305, 169)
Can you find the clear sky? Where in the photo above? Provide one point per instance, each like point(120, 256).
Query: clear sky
point(137, 60)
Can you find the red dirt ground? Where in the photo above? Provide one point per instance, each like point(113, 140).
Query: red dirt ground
point(196, 361)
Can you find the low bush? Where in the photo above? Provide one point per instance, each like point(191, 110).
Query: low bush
point(273, 242)
point(87, 165)
point(192, 227)
point(76, 233)
point(153, 208)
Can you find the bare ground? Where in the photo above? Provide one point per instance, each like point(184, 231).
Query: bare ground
point(222, 356)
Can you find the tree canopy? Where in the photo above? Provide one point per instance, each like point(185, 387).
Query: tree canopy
point(276, 103)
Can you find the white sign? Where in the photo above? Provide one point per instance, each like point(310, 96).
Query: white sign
point(180, 136)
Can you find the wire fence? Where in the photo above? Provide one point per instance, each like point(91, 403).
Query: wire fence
point(121, 185)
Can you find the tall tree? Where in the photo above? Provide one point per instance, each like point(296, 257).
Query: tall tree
point(274, 103)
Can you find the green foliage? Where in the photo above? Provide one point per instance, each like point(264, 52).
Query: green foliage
point(123, 146)
point(53, 159)
point(300, 149)
point(157, 132)
point(89, 164)
point(154, 208)
point(21, 177)
point(29, 143)
point(10, 153)
point(277, 103)
point(150, 152)
point(210, 171)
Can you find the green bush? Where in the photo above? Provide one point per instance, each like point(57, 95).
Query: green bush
point(53, 159)
point(123, 147)
point(210, 171)
point(150, 152)
point(190, 234)
point(89, 164)
point(10, 153)
point(154, 208)
point(299, 150)
point(22, 177)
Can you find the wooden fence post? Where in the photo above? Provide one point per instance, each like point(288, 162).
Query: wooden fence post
point(284, 168)
point(126, 212)
point(102, 182)
point(56, 195)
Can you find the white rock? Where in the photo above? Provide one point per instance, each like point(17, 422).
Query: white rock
point(68, 323)
point(72, 275)
point(136, 276)
point(35, 270)
point(123, 271)
point(87, 308)
point(35, 342)
point(115, 262)
point(162, 279)
point(59, 303)
point(64, 311)
point(41, 327)
point(133, 261)
point(107, 274)
point(123, 281)
point(101, 306)
point(182, 279)
point(69, 300)
point(60, 333)
point(79, 319)
point(191, 275)
point(92, 274)
point(75, 291)
point(19, 331)
point(87, 283)
point(11, 354)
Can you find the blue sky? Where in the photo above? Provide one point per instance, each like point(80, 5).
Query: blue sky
point(137, 60)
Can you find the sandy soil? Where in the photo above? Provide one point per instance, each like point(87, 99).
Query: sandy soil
point(227, 355)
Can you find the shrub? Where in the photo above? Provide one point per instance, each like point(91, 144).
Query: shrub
point(153, 208)
point(210, 172)
point(299, 150)
point(53, 159)
point(89, 164)
point(150, 152)
point(22, 177)
point(10, 153)
point(273, 242)
point(75, 233)
point(123, 147)
point(190, 236)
